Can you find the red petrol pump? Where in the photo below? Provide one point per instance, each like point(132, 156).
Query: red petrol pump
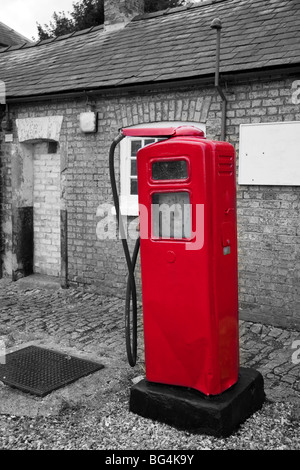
point(188, 244)
point(189, 261)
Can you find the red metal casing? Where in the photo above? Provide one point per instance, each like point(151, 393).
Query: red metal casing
point(190, 285)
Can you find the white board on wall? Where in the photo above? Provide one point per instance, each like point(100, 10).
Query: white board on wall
point(270, 154)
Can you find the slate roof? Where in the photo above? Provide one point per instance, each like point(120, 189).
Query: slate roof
point(170, 45)
point(9, 37)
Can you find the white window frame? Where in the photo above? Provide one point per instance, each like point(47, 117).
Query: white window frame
point(128, 202)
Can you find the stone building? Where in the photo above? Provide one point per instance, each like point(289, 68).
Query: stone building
point(157, 69)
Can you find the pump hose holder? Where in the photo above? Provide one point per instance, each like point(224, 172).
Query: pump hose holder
point(131, 295)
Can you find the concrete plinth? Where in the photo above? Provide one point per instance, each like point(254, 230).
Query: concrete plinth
point(190, 410)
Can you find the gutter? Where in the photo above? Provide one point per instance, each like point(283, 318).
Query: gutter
point(204, 81)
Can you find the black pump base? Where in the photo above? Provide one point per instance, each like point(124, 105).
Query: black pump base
point(192, 411)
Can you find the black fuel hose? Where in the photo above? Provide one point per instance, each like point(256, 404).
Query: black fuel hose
point(131, 295)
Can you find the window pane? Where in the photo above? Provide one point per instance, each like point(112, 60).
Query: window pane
point(135, 146)
point(170, 170)
point(171, 215)
point(133, 167)
point(133, 186)
point(149, 141)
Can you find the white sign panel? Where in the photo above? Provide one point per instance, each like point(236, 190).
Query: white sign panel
point(270, 154)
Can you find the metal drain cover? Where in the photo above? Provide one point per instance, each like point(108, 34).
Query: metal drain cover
point(40, 371)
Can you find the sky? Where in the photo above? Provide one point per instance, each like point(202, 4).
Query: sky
point(22, 15)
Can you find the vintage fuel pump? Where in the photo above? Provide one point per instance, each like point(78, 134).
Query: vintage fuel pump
point(188, 244)
point(189, 261)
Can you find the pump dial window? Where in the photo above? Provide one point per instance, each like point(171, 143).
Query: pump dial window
point(171, 215)
point(170, 170)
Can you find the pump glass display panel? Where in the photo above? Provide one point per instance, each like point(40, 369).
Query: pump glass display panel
point(171, 215)
point(170, 170)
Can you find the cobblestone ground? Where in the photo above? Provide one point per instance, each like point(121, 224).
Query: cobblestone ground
point(94, 323)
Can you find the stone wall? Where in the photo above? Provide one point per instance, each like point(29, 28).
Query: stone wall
point(268, 217)
point(46, 211)
point(1, 192)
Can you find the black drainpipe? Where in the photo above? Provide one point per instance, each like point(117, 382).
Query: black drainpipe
point(217, 25)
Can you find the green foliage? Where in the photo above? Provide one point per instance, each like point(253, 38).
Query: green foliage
point(85, 14)
point(88, 13)
point(59, 25)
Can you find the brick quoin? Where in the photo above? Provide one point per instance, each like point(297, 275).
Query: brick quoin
point(268, 216)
